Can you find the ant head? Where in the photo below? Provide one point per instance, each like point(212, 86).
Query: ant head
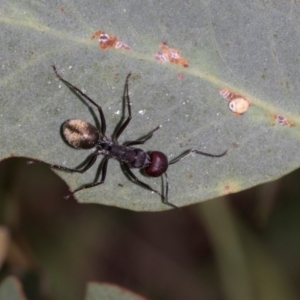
point(80, 134)
point(158, 164)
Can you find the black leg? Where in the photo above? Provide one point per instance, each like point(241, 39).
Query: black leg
point(103, 176)
point(54, 166)
point(166, 198)
point(135, 179)
point(124, 125)
point(143, 139)
point(77, 90)
point(188, 152)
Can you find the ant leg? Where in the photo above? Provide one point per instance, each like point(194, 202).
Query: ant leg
point(124, 125)
point(143, 139)
point(188, 152)
point(78, 91)
point(165, 199)
point(133, 177)
point(103, 176)
point(62, 168)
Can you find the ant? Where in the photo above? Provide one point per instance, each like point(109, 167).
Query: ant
point(83, 135)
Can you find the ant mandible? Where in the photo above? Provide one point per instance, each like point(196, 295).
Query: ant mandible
point(83, 135)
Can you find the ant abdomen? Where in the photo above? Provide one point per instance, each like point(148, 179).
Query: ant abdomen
point(81, 134)
point(158, 164)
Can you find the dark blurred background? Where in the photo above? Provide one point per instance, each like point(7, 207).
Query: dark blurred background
point(242, 246)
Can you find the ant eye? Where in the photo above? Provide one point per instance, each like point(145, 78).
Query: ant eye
point(80, 134)
point(158, 164)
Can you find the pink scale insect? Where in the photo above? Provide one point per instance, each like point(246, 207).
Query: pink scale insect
point(108, 41)
point(237, 103)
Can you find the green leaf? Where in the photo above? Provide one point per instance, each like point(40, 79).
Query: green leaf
point(108, 291)
point(250, 48)
point(10, 289)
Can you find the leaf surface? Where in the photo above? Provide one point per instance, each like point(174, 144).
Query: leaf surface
point(109, 291)
point(252, 49)
point(11, 289)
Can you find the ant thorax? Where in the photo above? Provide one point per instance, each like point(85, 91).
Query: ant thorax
point(135, 157)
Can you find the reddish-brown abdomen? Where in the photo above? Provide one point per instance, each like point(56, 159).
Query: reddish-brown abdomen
point(158, 164)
